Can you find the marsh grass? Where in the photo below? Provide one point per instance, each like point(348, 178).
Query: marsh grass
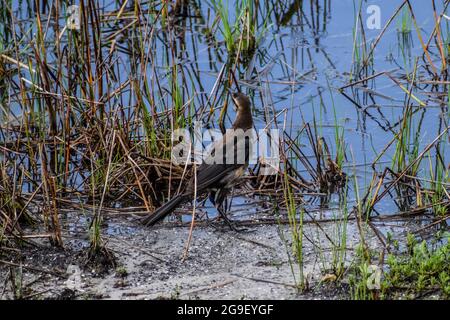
point(339, 252)
point(296, 230)
point(91, 111)
point(242, 30)
point(362, 60)
point(87, 117)
point(439, 179)
point(404, 21)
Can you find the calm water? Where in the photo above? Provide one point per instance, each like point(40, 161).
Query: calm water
point(299, 67)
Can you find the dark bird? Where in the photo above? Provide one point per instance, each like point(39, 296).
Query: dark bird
point(217, 178)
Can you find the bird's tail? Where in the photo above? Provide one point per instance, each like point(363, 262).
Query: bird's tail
point(163, 211)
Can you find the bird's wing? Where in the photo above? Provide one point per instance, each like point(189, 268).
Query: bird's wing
point(208, 175)
point(212, 171)
point(235, 147)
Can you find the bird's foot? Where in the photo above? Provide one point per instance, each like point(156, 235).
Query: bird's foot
point(232, 225)
point(234, 228)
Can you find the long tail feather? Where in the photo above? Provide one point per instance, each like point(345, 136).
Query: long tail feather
point(163, 211)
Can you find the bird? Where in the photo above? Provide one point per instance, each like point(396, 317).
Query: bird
point(216, 179)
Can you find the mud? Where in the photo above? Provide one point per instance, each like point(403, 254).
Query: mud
point(151, 263)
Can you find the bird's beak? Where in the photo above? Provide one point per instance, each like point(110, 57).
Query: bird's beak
point(235, 105)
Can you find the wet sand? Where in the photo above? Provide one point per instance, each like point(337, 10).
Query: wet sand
point(221, 264)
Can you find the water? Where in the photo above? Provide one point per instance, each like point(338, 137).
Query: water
point(305, 57)
point(300, 63)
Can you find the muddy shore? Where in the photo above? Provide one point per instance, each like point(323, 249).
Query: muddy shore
point(149, 264)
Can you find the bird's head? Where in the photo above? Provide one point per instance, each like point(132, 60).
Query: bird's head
point(241, 101)
point(244, 119)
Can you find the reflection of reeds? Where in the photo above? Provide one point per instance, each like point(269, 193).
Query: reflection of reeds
point(362, 60)
point(87, 115)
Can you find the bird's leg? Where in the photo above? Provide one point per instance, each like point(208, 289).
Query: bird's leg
point(223, 214)
point(229, 203)
point(212, 198)
point(226, 203)
point(220, 200)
